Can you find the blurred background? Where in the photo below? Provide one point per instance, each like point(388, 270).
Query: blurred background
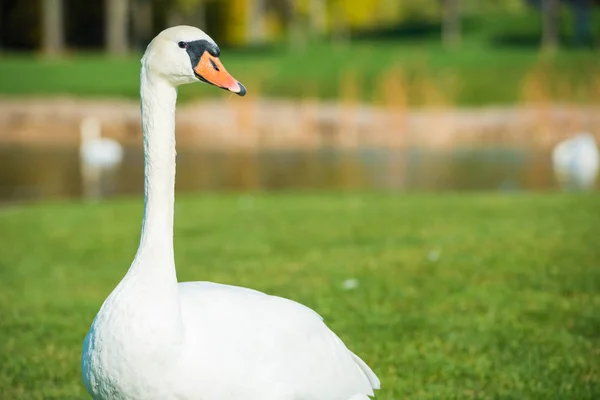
point(354, 109)
point(354, 94)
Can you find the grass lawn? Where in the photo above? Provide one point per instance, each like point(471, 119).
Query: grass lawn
point(498, 55)
point(460, 296)
point(472, 76)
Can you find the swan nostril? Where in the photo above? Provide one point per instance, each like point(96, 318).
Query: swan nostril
point(214, 66)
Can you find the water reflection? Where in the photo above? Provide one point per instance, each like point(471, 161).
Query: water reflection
point(29, 173)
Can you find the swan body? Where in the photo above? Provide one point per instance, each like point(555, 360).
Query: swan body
point(576, 162)
point(96, 151)
point(155, 338)
point(99, 156)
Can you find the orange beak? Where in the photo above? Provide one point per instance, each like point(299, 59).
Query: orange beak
point(211, 70)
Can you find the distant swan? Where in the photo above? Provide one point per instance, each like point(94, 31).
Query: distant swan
point(155, 338)
point(97, 155)
point(576, 161)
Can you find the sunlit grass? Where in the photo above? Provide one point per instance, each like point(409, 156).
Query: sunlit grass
point(498, 56)
point(459, 296)
point(474, 75)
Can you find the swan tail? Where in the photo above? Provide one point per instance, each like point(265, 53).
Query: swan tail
point(373, 379)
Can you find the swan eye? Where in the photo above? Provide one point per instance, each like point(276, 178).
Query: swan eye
point(214, 66)
point(182, 45)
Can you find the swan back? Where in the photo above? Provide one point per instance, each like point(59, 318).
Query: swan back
point(96, 151)
point(576, 162)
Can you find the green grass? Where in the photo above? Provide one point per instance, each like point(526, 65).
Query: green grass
point(472, 76)
point(508, 311)
point(484, 71)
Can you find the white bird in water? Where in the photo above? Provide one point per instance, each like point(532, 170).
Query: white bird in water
point(98, 155)
point(576, 161)
point(155, 338)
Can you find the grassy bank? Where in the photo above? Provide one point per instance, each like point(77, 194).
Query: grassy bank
point(498, 63)
point(472, 296)
point(428, 74)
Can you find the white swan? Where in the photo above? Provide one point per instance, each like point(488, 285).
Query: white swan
point(97, 156)
point(154, 338)
point(576, 162)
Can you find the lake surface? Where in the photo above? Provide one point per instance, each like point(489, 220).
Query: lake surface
point(35, 173)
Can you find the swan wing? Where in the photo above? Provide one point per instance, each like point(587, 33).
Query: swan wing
point(249, 344)
point(576, 160)
point(102, 152)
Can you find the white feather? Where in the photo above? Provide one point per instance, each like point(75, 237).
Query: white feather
point(96, 151)
point(576, 162)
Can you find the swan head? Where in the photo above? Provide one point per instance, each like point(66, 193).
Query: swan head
point(185, 54)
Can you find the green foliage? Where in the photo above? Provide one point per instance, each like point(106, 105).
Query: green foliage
point(493, 6)
point(188, 5)
point(459, 296)
point(492, 66)
point(481, 75)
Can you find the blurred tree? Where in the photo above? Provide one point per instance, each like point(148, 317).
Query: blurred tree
point(340, 30)
point(317, 17)
point(255, 21)
point(451, 36)
point(235, 13)
point(117, 26)
point(491, 6)
point(84, 24)
point(582, 15)
point(550, 10)
point(296, 38)
point(418, 10)
point(582, 20)
point(189, 12)
point(53, 37)
point(142, 12)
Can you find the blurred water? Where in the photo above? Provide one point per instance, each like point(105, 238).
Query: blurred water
point(30, 173)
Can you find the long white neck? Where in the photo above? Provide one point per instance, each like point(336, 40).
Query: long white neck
point(90, 130)
point(155, 253)
point(146, 300)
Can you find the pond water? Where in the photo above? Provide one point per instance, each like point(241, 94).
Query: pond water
point(33, 173)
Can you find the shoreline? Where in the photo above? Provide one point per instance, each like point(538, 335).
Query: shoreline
point(255, 123)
